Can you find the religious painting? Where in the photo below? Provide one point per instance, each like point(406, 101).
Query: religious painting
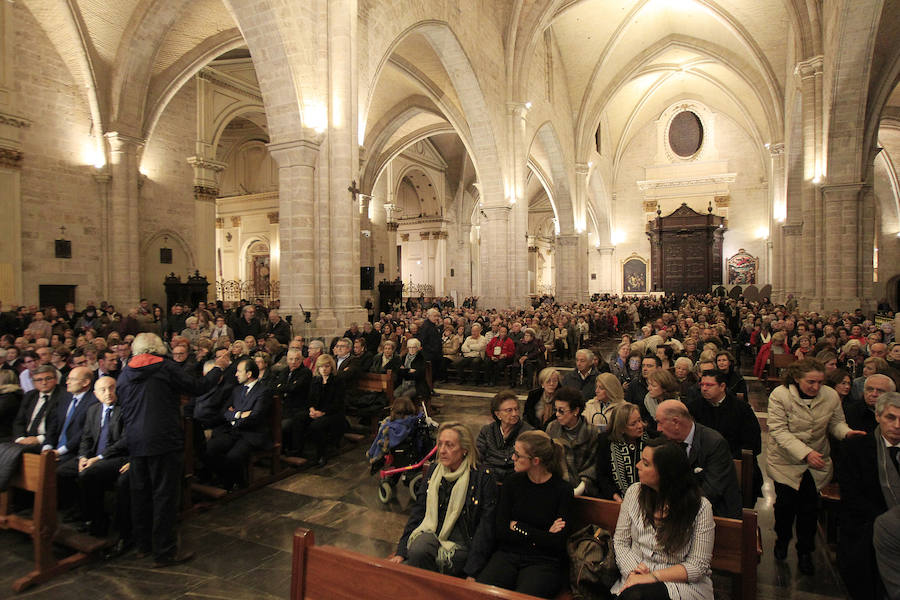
point(742, 268)
point(634, 275)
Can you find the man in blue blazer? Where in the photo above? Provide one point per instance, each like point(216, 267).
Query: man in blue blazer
point(246, 428)
point(66, 423)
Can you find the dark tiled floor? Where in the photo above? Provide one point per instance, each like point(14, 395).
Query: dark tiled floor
point(243, 547)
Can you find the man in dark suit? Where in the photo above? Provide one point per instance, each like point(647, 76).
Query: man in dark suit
point(101, 455)
point(430, 336)
point(67, 422)
point(870, 485)
point(278, 328)
point(246, 428)
point(33, 418)
point(293, 385)
point(361, 352)
point(247, 324)
point(709, 455)
point(719, 409)
point(349, 367)
point(107, 365)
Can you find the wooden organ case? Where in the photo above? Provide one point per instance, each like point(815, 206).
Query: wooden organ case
point(686, 251)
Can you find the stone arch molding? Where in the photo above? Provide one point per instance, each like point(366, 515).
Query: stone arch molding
point(173, 236)
point(561, 198)
point(482, 145)
point(244, 253)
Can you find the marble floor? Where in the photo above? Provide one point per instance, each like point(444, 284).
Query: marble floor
point(243, 546)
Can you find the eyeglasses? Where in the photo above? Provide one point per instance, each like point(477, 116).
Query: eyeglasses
point(517, 456)
point(511, 410)
point(561, 411)
point(44, 379)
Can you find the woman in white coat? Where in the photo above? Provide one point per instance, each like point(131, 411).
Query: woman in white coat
point(801, 414)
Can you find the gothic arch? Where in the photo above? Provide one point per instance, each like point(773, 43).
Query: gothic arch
point(562, 194)
point(482, 145)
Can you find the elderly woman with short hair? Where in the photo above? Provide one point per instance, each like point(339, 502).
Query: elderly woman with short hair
point(497, 439)
point(539, 408)
point(451, 526)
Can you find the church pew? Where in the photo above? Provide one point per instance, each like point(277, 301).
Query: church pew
point(38, 475)
point(337, 574)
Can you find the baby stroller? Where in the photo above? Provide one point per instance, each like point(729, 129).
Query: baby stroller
point(405, 457)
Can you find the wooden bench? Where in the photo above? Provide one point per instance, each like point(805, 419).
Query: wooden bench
point(745, 470)
point(777, 363)
point(736, 551)
point(38, 475)
point(320, 572)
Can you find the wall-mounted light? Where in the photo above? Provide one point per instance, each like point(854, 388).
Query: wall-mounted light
point(528, 106)
point(817, 180)
point(617, 237)
point(762, 232)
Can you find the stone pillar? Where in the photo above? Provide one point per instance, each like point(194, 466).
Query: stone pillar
point(849, 234)
point(206, 190)
point(300, 278)
point(339, 247)
point(124, 241)
point(812, 246)
point(517, 149)
point(495, 271)
point(791, 264)
point(571, 260)
point(606, 276)
point(777, 212)
point(532, 266)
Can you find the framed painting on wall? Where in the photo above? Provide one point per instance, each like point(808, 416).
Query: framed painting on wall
point(634, 275)
point(742, 268)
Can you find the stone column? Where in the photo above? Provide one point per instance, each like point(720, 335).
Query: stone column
point(849, 234)
point(812, 248)
point(518, 160)
point(124, 241)
point(791, 263)
point(206, 190)
point(495, 271)
point(339, 246)
point(571, 258)
point(777, 212)
point(297, 232)
point(607, 273)
point(532, 266)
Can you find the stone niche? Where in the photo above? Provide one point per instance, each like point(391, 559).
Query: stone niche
point(687, 167)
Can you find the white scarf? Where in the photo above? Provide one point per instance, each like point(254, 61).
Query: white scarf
point(454, 508)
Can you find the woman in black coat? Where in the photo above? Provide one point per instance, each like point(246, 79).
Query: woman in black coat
point(539, 408)
point(736, 384)
point(496, 440)
point(412, 371)
point(325, 419)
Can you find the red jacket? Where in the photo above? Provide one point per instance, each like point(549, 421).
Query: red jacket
point(763, 357)
point(507, 347)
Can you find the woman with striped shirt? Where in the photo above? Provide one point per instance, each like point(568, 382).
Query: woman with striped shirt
point(665, 533)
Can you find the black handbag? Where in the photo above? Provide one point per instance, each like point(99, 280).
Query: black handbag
point(592, 563)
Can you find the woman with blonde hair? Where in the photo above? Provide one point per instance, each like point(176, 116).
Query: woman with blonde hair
point(608, 395)
point(539, 408)
point(451, 527)
point(325, 420)
point(532, 520)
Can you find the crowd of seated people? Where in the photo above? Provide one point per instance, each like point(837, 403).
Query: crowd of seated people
point(677, 380)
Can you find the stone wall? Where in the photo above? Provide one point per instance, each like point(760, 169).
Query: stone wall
point(58, 188)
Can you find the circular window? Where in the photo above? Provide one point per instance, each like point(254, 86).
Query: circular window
point(685, 134)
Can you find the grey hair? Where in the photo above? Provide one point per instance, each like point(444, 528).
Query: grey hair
point(887, 399)
point(414, 343)
point(684, 360)
point(147, 343)
point(586, 353)
point(890, 381)
point(317, 344)
point(47, 369)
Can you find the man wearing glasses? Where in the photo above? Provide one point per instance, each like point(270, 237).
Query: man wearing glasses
point(30, 426)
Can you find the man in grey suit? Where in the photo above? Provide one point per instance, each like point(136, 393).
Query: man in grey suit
point(709, 455)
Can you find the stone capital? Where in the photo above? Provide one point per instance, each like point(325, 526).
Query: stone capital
point(516, 109)
point(582, 168)
point(496, 213)
point(297, 153)
point(120, 142)
point(809, 68)
point(776, 150)
point(791, 229)
point(14, 121)
point(200, 162)
point(10, 157)
point(606, 250)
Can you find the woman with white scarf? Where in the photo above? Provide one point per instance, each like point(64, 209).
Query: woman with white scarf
point(451, 527)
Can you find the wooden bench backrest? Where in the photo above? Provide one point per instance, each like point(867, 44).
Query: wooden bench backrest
point(377, 382)
point(744, 468)
point(328, 573)
point(728, 551)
